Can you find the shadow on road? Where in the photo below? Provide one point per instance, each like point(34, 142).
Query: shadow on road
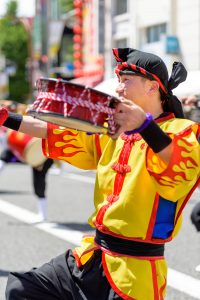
point(77, 226)
point(4, 273)
point(8, 192)
point(84, 227)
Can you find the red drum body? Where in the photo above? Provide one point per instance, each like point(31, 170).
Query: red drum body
point(26, 148)
point(74, 106)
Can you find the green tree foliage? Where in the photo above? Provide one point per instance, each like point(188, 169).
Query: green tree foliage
point(14, 46)
point(66, 5)
point(11, 9)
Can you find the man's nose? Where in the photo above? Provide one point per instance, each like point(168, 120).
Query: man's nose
point(120, 88)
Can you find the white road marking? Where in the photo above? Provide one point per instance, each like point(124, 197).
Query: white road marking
point(184, 283)
point(23, 215)
point(177, 280)
point(60, 231)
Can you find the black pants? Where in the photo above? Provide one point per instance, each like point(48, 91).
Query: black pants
point(8, 156)
point(39, 178)
point(61, 279)
point(195, 216)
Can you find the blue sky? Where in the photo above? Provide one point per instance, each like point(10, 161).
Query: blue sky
point(26, 8)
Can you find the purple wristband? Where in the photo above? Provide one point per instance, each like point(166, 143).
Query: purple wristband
point(147, 121)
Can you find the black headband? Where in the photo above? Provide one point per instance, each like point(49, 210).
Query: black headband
point(132, 61)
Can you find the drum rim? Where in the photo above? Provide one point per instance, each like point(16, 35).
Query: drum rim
point(35, 114)
point(78, 85)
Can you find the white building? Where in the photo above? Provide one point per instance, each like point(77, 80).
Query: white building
point(168, 28)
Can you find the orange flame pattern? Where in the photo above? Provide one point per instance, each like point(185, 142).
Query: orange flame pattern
point(179, 168)
point(64, 146)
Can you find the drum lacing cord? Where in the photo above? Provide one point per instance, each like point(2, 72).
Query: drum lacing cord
point(75, 101)
point(40, 104)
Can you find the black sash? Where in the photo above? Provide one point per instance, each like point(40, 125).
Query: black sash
point(127, 247)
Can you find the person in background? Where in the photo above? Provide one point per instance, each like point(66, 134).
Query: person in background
point(39, 173)
point(146, 172)
point(191, 105)
point(6, 155)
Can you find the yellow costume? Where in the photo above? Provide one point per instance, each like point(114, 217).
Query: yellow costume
point(137, 197)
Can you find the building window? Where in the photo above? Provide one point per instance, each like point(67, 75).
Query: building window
point(120, 7)
point(154, 32)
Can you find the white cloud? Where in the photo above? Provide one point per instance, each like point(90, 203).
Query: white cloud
point(25, 8)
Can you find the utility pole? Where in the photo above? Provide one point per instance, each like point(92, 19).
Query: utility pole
point(108, 39)
point(45, 14)
point(48, 36)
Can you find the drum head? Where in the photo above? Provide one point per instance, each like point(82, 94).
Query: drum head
point(33, 154)
point(68, 122)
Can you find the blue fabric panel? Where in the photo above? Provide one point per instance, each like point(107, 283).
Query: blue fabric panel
point(164, 224)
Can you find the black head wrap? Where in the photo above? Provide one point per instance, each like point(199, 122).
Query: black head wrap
point(132, 61)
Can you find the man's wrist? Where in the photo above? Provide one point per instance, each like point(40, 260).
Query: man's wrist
point(13, 121)
point(147, 121)
point(155, 137)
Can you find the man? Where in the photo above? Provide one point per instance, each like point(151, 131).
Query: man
point(39, 172)
point(191, 104)
point(146, 172)
point(39, 175)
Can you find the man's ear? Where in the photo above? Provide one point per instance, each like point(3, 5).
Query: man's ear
point(153, 86)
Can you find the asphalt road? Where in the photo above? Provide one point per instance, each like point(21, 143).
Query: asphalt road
point(24, 245)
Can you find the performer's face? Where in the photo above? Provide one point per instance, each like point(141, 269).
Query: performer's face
point(135, 88)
